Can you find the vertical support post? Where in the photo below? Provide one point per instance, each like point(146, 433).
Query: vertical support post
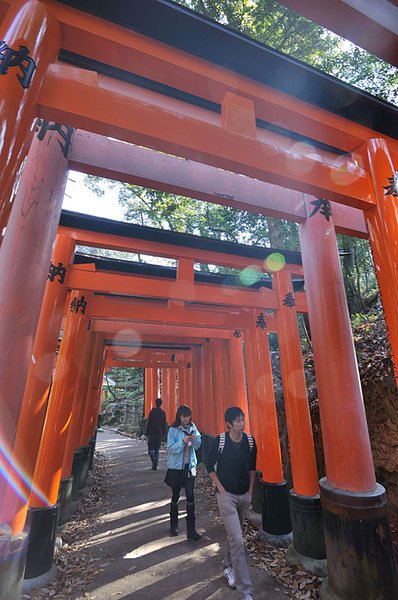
point(172, 392)
point(25, 256)
point(301, 442)
point(218, 385)
point(43, 510)
point(308, 548)
point(149, 394)
point(33, 38)
point(359, 549)
point(52, 448)
point(169, 403)
point(199, 388)
point(37, 390)
point(90, 413)
point(382, 224)
point(79, 405)
point(276, 523)
point(182, 391)
point(238, 375)
point(208, 400)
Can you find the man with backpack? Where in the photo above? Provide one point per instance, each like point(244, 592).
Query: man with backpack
point(231, 464)
point(155, 431)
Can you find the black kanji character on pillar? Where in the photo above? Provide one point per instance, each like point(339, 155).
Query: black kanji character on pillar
point(59, 271)
point(261, 321)
point(65, 132)
point(237, 333)
point(173, 357)
point(17, 58)
point(323, 206)
point(392, 188)
point(78, 303)
point(289, 300)
point(188, 365)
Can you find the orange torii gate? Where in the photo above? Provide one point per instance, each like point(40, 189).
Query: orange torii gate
point(213, 96)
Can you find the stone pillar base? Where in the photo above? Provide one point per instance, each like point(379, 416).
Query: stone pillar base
point(360, 553)
point(43, 528)
point(64, 501)
point(307, 521)
point(315, 566)
point(277, 541)
point(275, 508)
point(36, 583)
point(13, 551)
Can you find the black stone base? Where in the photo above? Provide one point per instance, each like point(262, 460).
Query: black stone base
point(43, 527)
point(76, 466)
point(360, 553)
point(84, 467)
point(92, 444)
point(12, 562)
point(257, 494)
point(275, 508)
point(307, 523)
point(65, 500)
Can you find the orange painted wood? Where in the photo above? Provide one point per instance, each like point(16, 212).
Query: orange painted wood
point(24, 262)
point(59, 413)
point(382, 222)
point(149, 394)
point(347, 451)
point(218, 384)
point(105, 157)
point(79, 403)
point(301, 443)
point(31, 419)
point(112, 44)
point(100, 281)
point(236, 368)
point(93, 385)
point(30, 24)
point(208, 398)
point(102, 105)
point(262, 408)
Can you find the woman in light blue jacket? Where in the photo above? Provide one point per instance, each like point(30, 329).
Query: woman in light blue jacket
point(182, 440)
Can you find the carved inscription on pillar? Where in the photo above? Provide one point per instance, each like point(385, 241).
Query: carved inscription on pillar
point(10, 58)
point(289, 300)
point(65, 132)
point(261, 321)
point(323, 206)
point(78, 304)
point(57, 271)
point(392, 187)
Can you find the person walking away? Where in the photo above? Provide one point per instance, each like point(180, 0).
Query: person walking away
point(231, 464)
point(155, 431)
point(182, 440)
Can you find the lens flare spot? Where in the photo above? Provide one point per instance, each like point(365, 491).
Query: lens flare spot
point(250, 275)
point(275, 262)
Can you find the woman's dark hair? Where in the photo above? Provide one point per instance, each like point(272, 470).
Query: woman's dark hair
point(182, 411)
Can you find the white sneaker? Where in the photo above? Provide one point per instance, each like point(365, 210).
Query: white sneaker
point(230, 576)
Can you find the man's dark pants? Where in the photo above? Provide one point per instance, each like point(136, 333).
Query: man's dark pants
point(153, 448)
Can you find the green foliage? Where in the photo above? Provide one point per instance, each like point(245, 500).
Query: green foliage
point(290, 33)
point(123, 399)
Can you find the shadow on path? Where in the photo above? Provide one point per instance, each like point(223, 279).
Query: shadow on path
point(139, 559)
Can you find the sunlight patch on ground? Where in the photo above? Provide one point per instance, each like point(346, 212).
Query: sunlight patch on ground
point(95, 540)
point(135, 510)
point(157, 574)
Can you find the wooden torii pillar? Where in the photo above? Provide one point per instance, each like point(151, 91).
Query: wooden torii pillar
point(361, 560)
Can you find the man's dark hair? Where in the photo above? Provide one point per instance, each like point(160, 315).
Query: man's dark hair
point(232, 413)
point(158, 402)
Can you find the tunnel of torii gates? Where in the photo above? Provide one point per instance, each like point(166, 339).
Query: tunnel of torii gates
point(205, 112)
